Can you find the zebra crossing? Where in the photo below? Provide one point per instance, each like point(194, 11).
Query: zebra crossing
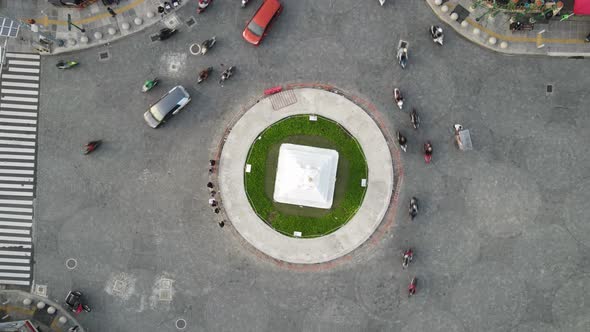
point(19, 99)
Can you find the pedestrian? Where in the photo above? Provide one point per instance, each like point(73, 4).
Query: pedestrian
point(161, 10)
point(212, 202)
point(175, 3)
point(211, 162)
point(217, 210)
point(210, 185)
point(111, 11)
point(221, 223)
point(213, 192)
point(167, 6)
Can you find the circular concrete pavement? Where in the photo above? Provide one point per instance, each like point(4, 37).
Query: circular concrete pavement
point(379, 183)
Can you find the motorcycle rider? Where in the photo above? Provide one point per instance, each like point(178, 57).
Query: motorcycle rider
point(91, 146)
point(413, 207)
point(436, 31)
point(207, 44)
point(412, 287)
point(204, 74)
point(149, 84)
point(402, 141)
point(408, 255)
point(397, 95)
point(414, 118)
point(428, 148)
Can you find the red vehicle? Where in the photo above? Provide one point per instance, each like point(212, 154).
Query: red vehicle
point(258, 26)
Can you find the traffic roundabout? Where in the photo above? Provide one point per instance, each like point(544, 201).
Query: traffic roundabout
point(371, 182)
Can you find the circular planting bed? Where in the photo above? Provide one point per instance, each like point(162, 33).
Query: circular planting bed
point(348, 192)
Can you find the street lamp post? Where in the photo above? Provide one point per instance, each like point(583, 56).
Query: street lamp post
point(71, 24)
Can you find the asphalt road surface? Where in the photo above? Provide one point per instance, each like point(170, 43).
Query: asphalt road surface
point(501, 242)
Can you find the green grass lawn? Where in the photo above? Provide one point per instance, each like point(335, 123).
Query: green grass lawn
point(348, 193)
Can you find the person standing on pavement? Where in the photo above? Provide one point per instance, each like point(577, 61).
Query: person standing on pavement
point(111, 11)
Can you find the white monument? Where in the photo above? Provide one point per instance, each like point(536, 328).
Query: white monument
point(306, 176)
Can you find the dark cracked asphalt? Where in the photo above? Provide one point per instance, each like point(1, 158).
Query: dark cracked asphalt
point(501, 243)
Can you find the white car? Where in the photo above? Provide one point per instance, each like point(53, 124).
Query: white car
point(170, 104)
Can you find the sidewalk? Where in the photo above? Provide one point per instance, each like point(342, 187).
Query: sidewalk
point(14, 309)
point(548, 37)
point(99, 25)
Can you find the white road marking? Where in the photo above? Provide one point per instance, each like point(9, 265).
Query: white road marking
point(18, 156)
point(24, 63)
point(15, 209)
point(15, 245)
point(16, 201)
point(16, 171)
point(21, 150)
point(20, 77)
point(19, 106)
point(23, 99)
point(18, 128)
point(15, 193)
point(20, 92)
point(15, 253)
point(15, 267)
point(19, 113)
point(14, 135)
point(23, 55)
point(21, 84)
point(23, 70)
point(16, 186)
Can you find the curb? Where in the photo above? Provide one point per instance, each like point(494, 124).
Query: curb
point(461, 30)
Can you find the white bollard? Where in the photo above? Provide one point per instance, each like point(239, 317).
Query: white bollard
point(492, 40)
point(41, 305)
point(438, 2)
point(125, 26)
point(444, 8)
point(72, 42)
point(504, 45)
point(84, 40)
point(27, 301)
point(98, 35)
point(62, 320)
point(112, 31)
point(51, 310)
point(476, 31)
point(464, 24)
point(454, 16)
point(149, 14)
point(137, 21)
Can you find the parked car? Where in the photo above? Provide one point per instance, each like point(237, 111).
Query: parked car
point(258, 26)
point(170, 104)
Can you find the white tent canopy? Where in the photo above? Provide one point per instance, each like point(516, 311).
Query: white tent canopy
point(306, 176)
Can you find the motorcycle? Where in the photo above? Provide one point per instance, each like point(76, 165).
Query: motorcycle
point(437, 35)
point(202, 5)
point(412, 286)
point(407, 258)
point(402, 53)
point(149, 84)
point(74, 302)
point(244, 3)
point(402, 141)
point(427, 152)
point(414, 118)
point(226, 74)
point(204, 74)
point(166, 33)
point(398, 98)
point(413, 207)
point(61, 64)
point(588, 38)
point(91, 146)
point(207, 44)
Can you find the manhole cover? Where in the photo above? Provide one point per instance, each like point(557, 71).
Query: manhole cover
point(180, 324)
point(104, 56)
point(549, 89)
point(41, 290)
point(191, 21)
point(71, 263)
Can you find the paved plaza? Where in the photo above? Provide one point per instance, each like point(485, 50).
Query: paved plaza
point(501, 242)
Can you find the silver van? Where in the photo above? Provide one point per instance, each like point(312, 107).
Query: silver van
point(170, 104)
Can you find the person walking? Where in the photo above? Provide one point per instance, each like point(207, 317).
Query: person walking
point(111, 11)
